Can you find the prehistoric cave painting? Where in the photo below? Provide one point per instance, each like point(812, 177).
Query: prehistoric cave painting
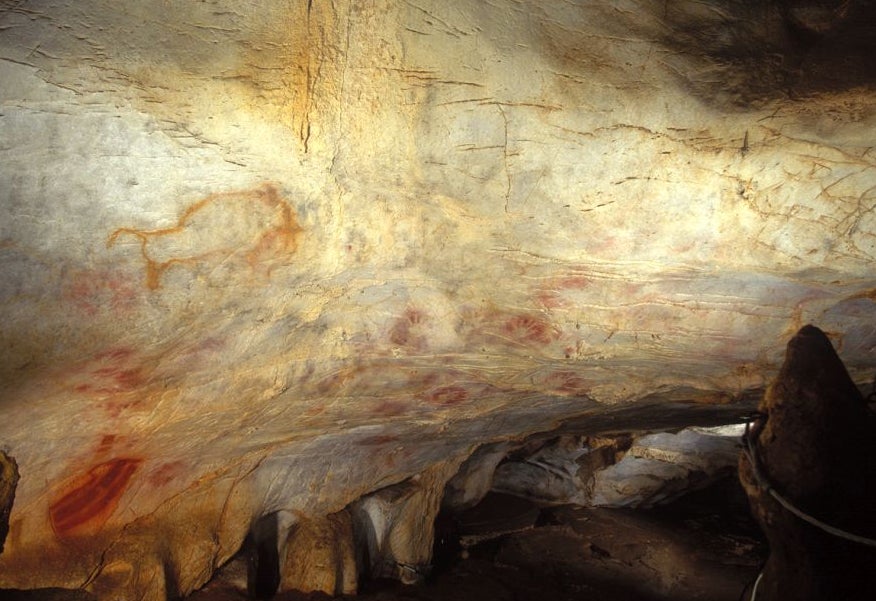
point(522, 329)
point(91, 498)
point(390, 408)
point(564, 382)
point(526, 327)
point(408, 331)
point(107, 442)
point(166, 473)
point(377, 440)
point(255, 227)
point(555, 294)
point(92, 291)
point(109, 372)
point(447, 396)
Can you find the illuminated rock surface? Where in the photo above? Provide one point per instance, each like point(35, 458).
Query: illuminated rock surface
point(279, 257)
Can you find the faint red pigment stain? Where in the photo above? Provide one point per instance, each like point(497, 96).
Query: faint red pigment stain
point(573, 281)
point(551, 295)
point(390, 408)
point(526, 327)
point(497, 326)
point(92, 497)
point(115, 408)
point(210, 344)
point(202, 348)
point(567, 383)
point(199, 353)
point(110, 380)
point(377, 440)
point(111, 372)
point(165, 473)
point(550, 299)
point(108, 446)
point(313, 411)
point(114, 354)
point(392, 458)
point(119, 378)
point(257, 226)
point(106, 443)
point(447, 396)
point(339, 379)
point(91, 291)
point(429, 378)
point(405, 331)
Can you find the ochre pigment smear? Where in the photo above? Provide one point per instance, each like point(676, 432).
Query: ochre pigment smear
point(529, 328)
point(110, 372)
point(257, 226)
point(92, 497)
point(447, 396)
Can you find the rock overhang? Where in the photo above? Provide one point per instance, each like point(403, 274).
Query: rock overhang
point(280, 258)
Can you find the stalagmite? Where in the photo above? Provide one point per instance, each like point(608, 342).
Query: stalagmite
point(319, 555)
point(811, 456)
point(395, 526)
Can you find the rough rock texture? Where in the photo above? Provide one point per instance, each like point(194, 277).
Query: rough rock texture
point(8, 482)
point(815, 448)
point(661, 467)
point(320, 556)
point(619, 472)
point(277, 256)
point(550, 475)
point(394, 526)
point(475, 478)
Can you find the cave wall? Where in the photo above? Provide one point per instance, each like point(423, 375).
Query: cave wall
point(280, 256)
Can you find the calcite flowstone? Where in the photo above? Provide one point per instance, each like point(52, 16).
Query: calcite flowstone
point(276, 257)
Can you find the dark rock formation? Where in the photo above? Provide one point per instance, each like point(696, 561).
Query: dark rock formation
point(8, 482)
point(813, 448)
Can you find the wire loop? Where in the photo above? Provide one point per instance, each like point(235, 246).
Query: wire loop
point(764, 484)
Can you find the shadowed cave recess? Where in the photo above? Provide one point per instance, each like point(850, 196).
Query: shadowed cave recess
point(436, 299)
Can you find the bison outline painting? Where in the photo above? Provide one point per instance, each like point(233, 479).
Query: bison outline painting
point(256, 228)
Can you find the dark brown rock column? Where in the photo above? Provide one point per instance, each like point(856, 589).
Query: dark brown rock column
point(8, 482)
point(816, 447)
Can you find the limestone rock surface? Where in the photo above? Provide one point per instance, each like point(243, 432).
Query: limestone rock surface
point(320, 556)
point(277, 257)
point(661, 467)
point(651, 470)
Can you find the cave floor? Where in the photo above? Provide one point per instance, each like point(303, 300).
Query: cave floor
point(704, 546)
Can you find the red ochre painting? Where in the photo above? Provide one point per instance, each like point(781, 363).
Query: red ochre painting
point(111, 372)
point(257, 227)
point(92, 497)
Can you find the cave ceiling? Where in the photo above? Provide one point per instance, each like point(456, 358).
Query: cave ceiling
point(275, 256)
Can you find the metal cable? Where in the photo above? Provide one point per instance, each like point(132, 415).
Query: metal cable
point(754, 588)
point(766, 486)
